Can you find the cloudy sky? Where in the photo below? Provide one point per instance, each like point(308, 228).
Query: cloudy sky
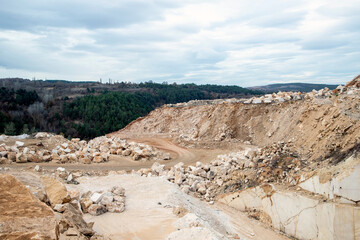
point(238, 42)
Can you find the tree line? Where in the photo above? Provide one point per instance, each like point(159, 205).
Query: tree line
point(96, 114)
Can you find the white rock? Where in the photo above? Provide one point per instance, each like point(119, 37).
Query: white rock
point(158, 168)
point(96, 197)
point(26, 150)
point(107, 199)
point(19, 143)
point(267, 100)
point(64, 145)
point(41, 135)
point(344, 186)
point(179, 177)
point(59, 208)
point(257, 101)
point(70, 177)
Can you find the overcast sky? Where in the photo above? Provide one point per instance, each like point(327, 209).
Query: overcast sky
point(238, 42)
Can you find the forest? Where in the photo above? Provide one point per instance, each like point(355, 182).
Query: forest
point(93, 112)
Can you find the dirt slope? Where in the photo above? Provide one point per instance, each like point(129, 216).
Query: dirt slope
point(319, 127)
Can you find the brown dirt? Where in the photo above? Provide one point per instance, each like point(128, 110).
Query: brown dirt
point(318, 127)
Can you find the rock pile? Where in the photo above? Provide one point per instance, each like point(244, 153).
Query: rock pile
point(98, 203)
point(71, 223)
point(233, 171)
point(67, 209)
point(99, 149)
point(20, 154)
point(96, 150)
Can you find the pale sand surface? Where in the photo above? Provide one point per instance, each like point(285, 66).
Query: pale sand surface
point(149, 215)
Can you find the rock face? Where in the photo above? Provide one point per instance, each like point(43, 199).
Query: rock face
point(343, 187)
point(300, 215)
point(23, 216)
point(55, 191)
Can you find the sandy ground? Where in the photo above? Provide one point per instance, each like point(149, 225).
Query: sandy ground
point(149, 212)
point(144, 217)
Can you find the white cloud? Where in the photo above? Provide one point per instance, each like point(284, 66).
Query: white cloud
point(229, 42)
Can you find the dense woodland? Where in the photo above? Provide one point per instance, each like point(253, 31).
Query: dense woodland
point(94, 111)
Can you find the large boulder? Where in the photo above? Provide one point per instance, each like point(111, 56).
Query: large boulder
point(55, 191)
point(22, 215)
point(74, 219)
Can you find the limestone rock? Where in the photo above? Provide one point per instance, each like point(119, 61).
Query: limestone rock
point(120, 191)
point(11, 156)
point(33, 158)
point(96, 209)
point(37, 168)
point(55, 191)
point(85, 204)
point(19, 143)
point(158, 168)
point(120, 199)
point(74, 219)
point(22, 215)
point(96, 197)
point(107, 199)
point(74, 194)
point(179, 177)
point(59, 208)
point(116, 207)
point(21, 158)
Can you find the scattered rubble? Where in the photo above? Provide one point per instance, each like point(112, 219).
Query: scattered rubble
point(276, 163)
point(98, 203)
point(97, 150)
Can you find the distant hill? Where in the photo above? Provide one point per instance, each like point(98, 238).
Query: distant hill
point(286, 87)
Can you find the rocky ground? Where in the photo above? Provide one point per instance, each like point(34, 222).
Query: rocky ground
point(285, 164)
point(45, 147)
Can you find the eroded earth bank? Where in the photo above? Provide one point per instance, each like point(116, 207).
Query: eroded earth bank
point(281, 166)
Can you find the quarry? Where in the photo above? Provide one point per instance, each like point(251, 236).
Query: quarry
point(280, 166)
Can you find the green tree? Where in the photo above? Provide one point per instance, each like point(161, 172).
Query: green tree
point(25, 129)
point(10, 129)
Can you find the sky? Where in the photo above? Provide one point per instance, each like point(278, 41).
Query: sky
point(230, 42)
